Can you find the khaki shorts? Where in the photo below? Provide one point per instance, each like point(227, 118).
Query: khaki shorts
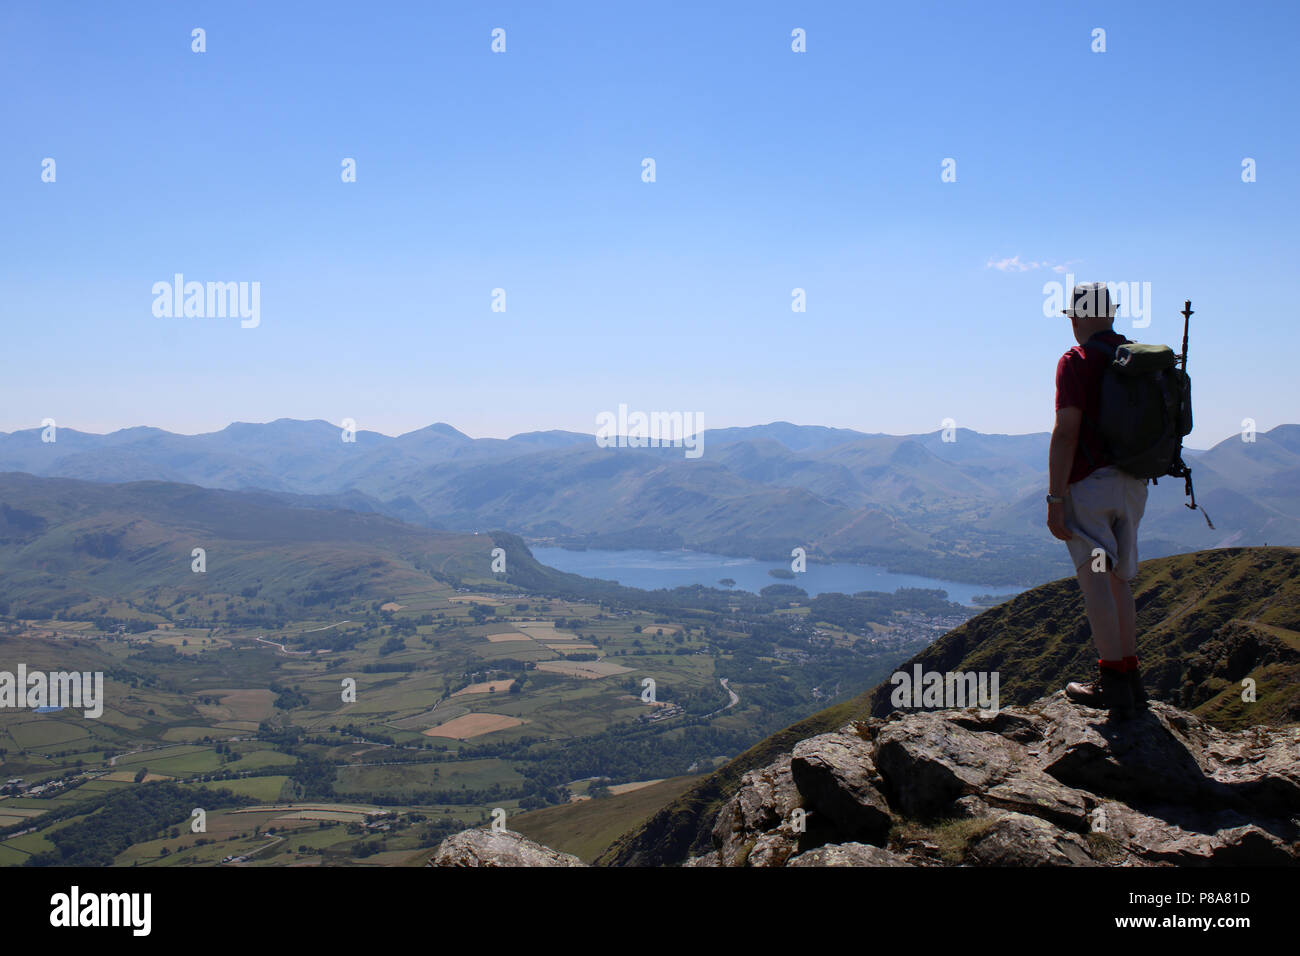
point(1103, 511)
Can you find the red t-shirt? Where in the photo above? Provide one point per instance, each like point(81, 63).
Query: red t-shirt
point(1078, 385)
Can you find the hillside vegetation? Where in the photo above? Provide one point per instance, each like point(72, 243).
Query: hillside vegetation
point(374, 685)
point(1206, 621)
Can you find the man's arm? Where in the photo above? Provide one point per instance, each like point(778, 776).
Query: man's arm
point(1060, 458)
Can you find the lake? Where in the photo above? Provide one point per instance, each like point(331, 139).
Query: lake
point(651, 570)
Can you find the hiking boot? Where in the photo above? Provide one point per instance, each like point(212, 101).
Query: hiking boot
point(1136, 689)
point(1108, 691)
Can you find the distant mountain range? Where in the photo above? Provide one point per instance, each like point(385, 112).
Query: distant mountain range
point(969, 509)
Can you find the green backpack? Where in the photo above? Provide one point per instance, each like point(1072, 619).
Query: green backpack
point(1145, 412)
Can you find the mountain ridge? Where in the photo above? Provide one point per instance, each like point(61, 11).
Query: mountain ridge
point(969, 509)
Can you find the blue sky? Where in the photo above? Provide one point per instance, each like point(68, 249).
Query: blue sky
point(522, 171)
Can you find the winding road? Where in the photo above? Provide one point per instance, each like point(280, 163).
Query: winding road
point(735, 698)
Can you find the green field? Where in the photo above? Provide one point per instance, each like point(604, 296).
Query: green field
point(268, 712)
point(588, 827)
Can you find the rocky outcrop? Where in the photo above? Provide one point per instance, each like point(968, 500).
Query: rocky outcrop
point(1047, 784)
point(497, 848)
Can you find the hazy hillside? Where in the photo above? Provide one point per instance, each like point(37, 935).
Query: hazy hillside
point(83, 548)
point(90, 550)
point(968, 509)
point(1206, 621)
point(1251, 491)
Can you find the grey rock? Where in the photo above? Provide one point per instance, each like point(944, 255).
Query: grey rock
point(1033, 792)
point(971, 807)
point(1190, 838)
point(773, 848)
point(1260, 765)
point(1021, 726)
point(848, 854)
point(836, 776)
point(708, 859)
point(1017, 839)
point(507, 848)
point(929, 760)
point(1146, 758)
point(765, 798)
point(1168, 753)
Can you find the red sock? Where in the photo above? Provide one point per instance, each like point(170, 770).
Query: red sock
point(1130, 663)
point(1113, 665)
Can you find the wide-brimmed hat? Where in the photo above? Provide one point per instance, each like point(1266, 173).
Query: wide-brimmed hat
point(1090, 300)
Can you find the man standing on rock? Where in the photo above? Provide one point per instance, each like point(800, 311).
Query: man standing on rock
point(1095, 508)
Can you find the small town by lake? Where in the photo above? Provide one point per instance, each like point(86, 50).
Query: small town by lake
point(652, 570)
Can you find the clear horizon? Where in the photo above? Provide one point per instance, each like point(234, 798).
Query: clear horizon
point(775, 171)
point(361, 429)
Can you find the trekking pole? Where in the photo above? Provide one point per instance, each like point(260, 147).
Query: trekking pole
point(1187, 318)
point(1187, 472)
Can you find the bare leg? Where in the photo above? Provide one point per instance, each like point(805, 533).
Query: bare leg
point(1103, 615)
point(1126, 613)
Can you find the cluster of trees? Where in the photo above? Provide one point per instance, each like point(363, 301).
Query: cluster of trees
point(312, 775)
point(99, 544)
point(857, 611)
point(389, 667)
point(462, 796)
point(287, 698)
point(481, 612)
point(783, 593)
point(331, 594)
point(331, 640)
point(126, 817)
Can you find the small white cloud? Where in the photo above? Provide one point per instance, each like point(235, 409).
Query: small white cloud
point(1011, 265)
point(1014, 264)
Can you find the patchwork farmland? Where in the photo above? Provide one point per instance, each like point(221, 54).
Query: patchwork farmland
point(342, 723)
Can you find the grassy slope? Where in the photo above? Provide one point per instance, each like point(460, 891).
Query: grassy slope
point(587, 827)
point(65, 543)
point(1205, 621)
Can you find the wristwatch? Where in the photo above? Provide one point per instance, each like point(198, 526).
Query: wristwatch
point(1055, 500)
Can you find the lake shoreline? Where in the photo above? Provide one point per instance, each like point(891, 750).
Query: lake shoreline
point(654, 569)
point(914, 566)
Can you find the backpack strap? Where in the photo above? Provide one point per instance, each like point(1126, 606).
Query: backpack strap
point(1109, 352)
point(1180, 470)
point(1097, 343)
